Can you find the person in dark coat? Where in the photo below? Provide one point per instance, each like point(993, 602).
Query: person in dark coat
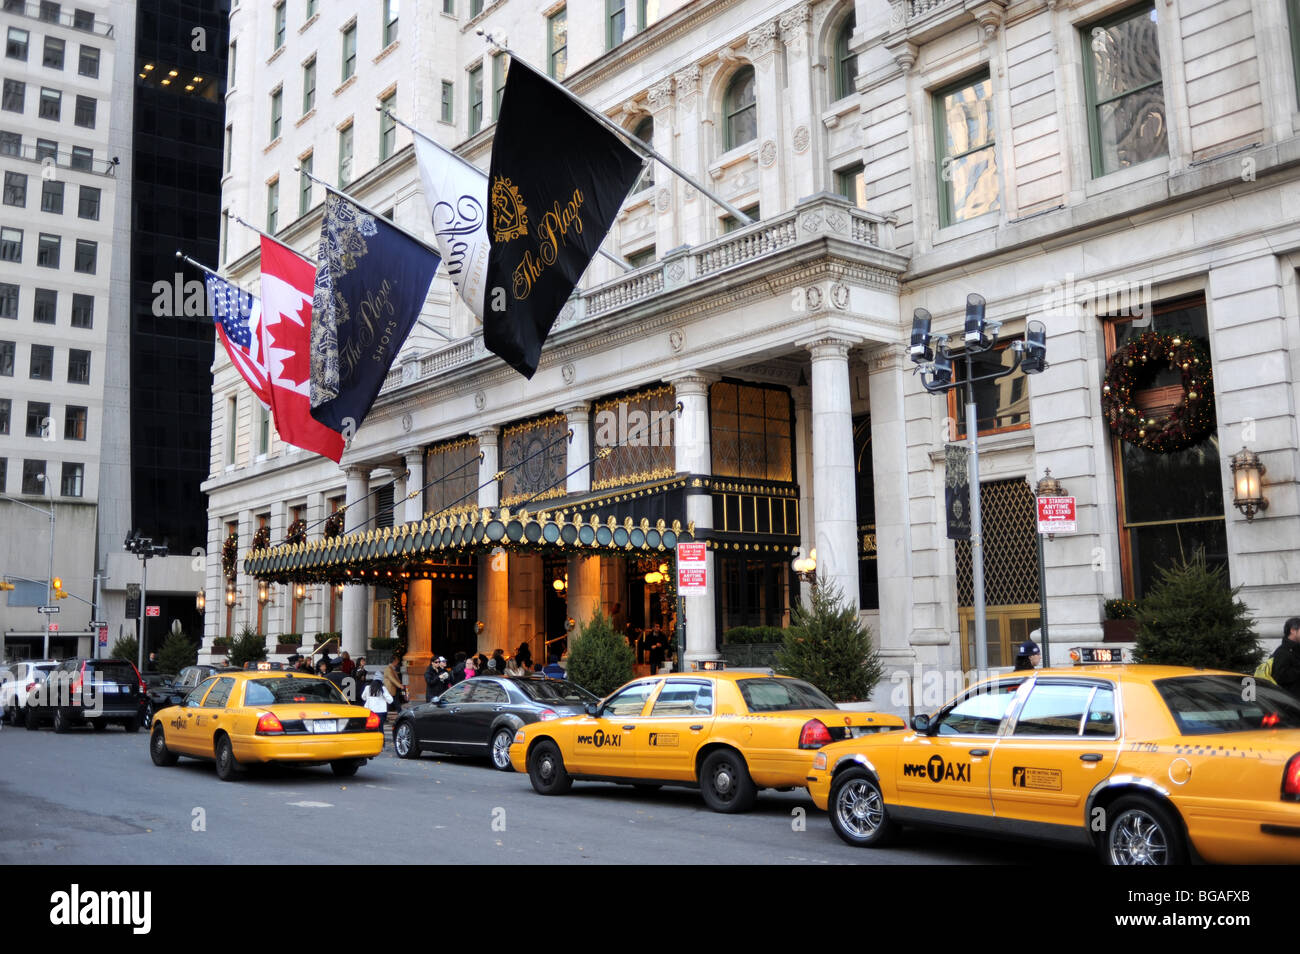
point(359, 678)
point(1286, 658)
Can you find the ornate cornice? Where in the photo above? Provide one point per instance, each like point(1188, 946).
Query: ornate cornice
point(762, 41)
point(660, 95)
point(687, 81)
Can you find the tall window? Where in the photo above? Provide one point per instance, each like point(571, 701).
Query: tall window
point(1001, 404)
point(390, 21)
point(1293, 21)
point(8, 300)
point(51, 103)
point(752, 431)
point(48, 250)
point(232, 423)
point(448, 113)
point(50, 11)
point(967, 161)
point(387, 127)
point(45, 305)
point(645, 131)
point(1126, 97)
point(277, 113)
point(88, 203)
point(6, 359)
point(41, 366)
point(309, 86)
point(345, 155)
point(498, 84)
point(11, 143)
point(615, 22)
point(349, 51)
point(16, 46)
point(83, 311)
point(74, 423)
point(54, 49)
point(78, 366)
point(278, 22)
point(475, 99)
point(234, 61)
point(82, 158)
point(740, 110)
point(11, 245)
point(33, 471)
point(557, 43)
point(230, 149)
point(851, 182)
point(1168, 504)
point(273, 206)
point(449, 7)
point(87, 257)
point(6, 410)
point(16, 189)
point(52, 196)
point(730, 223)
point(304, 183)
point(88, 62)
point(38, 418)
point(15, 94)
point(475, 8)
point(73, 474)
point(311, 10)
point(49, 149)
point(846, 61)
point(263, 431)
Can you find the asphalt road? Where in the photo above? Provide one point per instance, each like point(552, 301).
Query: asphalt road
point(87, 798)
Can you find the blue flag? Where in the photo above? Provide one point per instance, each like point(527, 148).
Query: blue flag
point(370, 287)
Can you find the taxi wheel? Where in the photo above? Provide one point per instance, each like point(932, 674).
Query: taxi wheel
point(345, 768)
point(858, 812)
point(227, 767)
point(404, 743)
point(158, 751)
point(1142, 832)
point(501, 749)
point(546, 770)
point(725, 783)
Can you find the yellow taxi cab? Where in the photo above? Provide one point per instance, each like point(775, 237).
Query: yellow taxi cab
point(237, 718)
point(730, 734)
point(1148, 764)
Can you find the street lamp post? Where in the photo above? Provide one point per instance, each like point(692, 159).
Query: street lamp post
point(1048, 486)
point(933, 359)
point(145, 549)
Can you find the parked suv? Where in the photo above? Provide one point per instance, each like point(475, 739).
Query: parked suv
point(94, 691)
point(21, 679)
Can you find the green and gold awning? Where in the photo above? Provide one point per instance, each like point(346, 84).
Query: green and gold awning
point(411, 546)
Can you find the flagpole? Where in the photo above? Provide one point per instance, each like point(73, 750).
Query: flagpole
point(203, 268)
point(250, 225)
point(365, 208)
point(621, 263)
point(623, 133)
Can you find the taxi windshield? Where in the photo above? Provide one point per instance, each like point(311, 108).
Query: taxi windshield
point(781, 695)
point(266, 692)
point(1209, 705)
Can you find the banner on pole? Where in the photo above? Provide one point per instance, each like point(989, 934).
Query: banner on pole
point(956, 490)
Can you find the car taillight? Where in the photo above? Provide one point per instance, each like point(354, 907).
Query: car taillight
point(269, 724)
point(1291, 779)
point(814, 734)
point(30, 686)
point(546, 715)
point(372, 721)
point(144, 689)
point(76, 683)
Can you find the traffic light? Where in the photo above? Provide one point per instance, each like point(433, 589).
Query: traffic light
point(5, 585)
point(59, 592)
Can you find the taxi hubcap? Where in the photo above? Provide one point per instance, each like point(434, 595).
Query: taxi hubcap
point(859, 809)
point(1138, 840)
point(722, 780)
point(546, 768)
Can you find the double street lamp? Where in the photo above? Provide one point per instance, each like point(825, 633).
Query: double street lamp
point(145, 549)
point(934, 360)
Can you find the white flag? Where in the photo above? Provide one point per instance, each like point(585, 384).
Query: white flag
point(457, 196)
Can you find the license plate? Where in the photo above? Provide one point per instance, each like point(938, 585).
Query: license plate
point(324, 725)
point(110, 689)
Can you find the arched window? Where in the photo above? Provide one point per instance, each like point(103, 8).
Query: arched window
point(846, 62)
point(740, 109)
point(645, 131)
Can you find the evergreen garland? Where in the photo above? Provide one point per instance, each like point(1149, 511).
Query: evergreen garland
point(230, 556)
point(297, 532)
point(1134, 366)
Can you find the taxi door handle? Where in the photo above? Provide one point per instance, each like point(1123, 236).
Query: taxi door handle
point(696, 728)
point(628, 728)
point(979, 752)
point(1090, 757)
point(498, 708)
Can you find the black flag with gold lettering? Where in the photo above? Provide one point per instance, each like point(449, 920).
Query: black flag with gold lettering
point(558, 179)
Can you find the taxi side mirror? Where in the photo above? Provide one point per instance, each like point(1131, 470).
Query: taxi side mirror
point(593, 709)
point(921, 724)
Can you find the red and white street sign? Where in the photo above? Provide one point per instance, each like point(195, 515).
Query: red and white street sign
point(1056, 515)
point(54, 627)
point(103, 635)
point(692, 578)
point(153, 611)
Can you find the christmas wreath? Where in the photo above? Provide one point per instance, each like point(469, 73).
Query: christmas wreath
point(297, 532)
point(230, 556)
point(334, 524)
point(262, 538)
point(1134, 366)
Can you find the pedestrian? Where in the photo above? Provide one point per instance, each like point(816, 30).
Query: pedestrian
point(1028, 655)
point(657, 649)
point(151, 664)
point(1286, 658)
point(323, 667)
point(431, 679)
point(359, 678)
point(346, 666)
point(393, 683)
point(442, 676)
point(524, 655)
point(553, 669)
point(514, 667)
point(470, 669)
point(377, 699)
point(499, 656)
point(458, 670)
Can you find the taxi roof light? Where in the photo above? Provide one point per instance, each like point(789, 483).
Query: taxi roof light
point(814, 734)
point(269, 724)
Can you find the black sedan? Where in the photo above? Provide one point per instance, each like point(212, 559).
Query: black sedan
point(165, 690)
point(481, 715)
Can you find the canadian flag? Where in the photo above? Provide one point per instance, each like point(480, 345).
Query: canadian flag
point(288, 283)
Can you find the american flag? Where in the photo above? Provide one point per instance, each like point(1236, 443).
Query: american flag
point(238, 315)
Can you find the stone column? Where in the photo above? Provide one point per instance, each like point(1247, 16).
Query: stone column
point(415, 481)
point(662, 103)
point(398, 471)
point(356, 599)
point(419, 634)
point(835, 501)
point(693, 131)
point(761, 47)
point(584, 594)
point(579, 448)
point(694, 456)
point(803, 463)
point(489, 440)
